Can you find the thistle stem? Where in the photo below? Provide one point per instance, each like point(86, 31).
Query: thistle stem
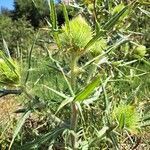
point(74, 110)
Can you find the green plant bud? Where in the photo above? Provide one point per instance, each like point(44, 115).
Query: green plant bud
point(116, 63)
point(140, 50)
point(78, 70)
point(98, 47)
point(79, 35)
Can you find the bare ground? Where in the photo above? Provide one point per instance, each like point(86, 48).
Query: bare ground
point(8, 106)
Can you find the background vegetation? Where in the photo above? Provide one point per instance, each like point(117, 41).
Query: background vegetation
point(81, 71)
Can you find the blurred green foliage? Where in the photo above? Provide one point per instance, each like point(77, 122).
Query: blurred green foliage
point(34, 11)
point(17, 34)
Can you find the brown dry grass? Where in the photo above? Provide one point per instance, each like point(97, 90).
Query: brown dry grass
point(7, 107)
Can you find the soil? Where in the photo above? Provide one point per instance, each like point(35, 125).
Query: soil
point(8, 105)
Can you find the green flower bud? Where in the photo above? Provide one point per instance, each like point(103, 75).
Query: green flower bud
point(80, 33)
point(140, 51)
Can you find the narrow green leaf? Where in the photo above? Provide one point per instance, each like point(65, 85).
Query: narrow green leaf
point(9, 63)
point(145, 61)
point(30, 57)
point(6, 49)
point(19, 126)
point(97, 93)
point(114, 19)
point(56, 92)
point(97, 27)
point(107, 26)
point(106, 103)
point(88, 90)
point(115, 45)
point(127, 63)
point(80, 110)
point(122, 121)
point(36, 143)
point(94, 39)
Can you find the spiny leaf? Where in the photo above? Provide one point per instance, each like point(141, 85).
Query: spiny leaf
point(53, 15)
point(57, 92)
point(6, 49)
point(114, 19)
point(94, 39)
point(106, 27)
point(66, 17)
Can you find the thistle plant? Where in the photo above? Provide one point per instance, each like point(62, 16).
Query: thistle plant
point(127, 117)
point(74, 38)
point(83, 115)
point(9, 72)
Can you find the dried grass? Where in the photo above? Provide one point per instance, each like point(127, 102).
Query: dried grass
point(7, 107)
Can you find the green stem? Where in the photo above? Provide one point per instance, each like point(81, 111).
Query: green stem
point(73, 66)
point(74, 110)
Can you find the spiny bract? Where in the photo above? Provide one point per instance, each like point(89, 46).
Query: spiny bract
point(98, 47)
point(79, 35)
point(127, 117)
